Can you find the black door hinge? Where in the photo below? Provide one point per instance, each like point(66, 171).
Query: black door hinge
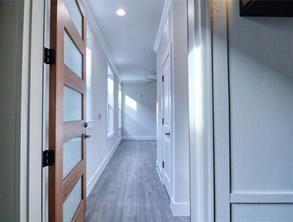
point(163, 121)
point(49, 56)
point(163, 78)
point(163, 164)
point(48, 158)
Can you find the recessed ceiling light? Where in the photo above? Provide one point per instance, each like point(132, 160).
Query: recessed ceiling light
point(120, 12)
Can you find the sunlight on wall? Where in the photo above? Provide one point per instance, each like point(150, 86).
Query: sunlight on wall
point(196, 94)
point(131, 103)
point(196, 115)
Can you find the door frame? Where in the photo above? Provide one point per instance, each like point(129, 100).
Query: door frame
point(200, 78)
point(32, 111)
point(32, 176)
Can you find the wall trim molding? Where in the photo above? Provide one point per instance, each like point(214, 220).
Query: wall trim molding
point(261, 197)
point(24, 207)
point(31, 116)
point(139, 138)
point(94, 179)
point(166, 10)
point(99, 35)
point(180, 209)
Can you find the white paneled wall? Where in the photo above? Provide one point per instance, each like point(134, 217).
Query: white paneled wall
point(253, 94)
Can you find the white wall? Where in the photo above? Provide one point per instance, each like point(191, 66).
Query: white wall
point(100, 147)
point(139, 111)
point(177, 36)
point(11, 29)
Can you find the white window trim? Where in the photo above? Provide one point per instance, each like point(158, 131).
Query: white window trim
point(89, 98)
point(110, 130)
point(120, 97)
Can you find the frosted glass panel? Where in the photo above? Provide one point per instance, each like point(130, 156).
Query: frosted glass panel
point(74, 14)
point(72, 154)
point(72, 202)
point(72, 105)
point(72, 56)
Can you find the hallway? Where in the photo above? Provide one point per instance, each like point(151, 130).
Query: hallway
point(129, 189)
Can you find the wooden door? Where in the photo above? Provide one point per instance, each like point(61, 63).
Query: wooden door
point(67, 127)
point(167, 127)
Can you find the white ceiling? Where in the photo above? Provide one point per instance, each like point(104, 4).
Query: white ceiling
point(131, 38)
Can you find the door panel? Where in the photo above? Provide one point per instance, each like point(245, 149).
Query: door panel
point(72, 56)
point(72, 155)
point(67, 128)
point(75, 14)
point(167, 127)
point(72, 105)
point(72, 202)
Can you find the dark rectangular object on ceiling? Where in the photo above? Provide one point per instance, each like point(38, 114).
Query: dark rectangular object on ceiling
point(266, 8)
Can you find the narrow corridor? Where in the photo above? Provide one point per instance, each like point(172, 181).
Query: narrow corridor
point(129, 190)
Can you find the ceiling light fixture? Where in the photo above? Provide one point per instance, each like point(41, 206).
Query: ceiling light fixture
point(120, 12)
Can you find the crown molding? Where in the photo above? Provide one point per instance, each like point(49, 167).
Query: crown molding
point(166, 10)
point(99, 35)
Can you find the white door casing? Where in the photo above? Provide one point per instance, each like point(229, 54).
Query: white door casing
point(167, 116)
point(201, 122)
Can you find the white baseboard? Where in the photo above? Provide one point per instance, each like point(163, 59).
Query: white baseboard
point(99, 171)
point(139, 138)
point(180, 209)
point(159, 171)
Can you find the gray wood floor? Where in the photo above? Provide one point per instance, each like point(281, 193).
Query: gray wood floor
point(129, 190)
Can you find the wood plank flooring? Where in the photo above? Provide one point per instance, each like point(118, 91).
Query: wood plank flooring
point(129, 190)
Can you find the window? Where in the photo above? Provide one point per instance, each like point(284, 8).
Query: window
point(119, 106)
point(89, 99)
point(89, 103)
point(110, 105)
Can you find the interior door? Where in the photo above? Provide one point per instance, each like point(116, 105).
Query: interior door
point(67, 128)
point(167, 115)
